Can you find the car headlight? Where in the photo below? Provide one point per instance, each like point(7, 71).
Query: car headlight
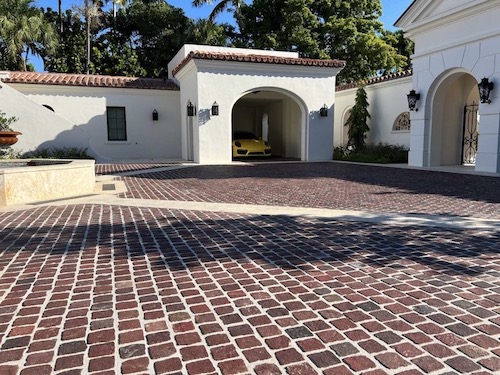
point(237, 144)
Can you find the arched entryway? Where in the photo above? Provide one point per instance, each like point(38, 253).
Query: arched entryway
point(276, 113)
point(454, 119)
point(345, 126)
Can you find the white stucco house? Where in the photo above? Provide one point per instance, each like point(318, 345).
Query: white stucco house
point(457, 46)
point(118, 118)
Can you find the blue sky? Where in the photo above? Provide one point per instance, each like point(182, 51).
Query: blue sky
point(392, 10)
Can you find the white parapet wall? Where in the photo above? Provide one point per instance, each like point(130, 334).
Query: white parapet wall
point(45, 180)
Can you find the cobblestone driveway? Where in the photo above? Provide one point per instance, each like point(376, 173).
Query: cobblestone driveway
point(116, 288)
point(328, 185)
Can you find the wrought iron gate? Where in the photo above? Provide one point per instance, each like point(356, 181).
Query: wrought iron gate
point(469, 145)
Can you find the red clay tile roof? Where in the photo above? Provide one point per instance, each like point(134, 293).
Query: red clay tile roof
point(371, 81)
point(90, 80)
point(262, 59)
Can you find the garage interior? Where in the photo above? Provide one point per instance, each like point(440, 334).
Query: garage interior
point(284, 120)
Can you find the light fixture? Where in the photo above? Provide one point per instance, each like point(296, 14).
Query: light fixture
point(215, 109)
point(323, 111)
point(155, 115)
point(191, 109)
point(485, 88)
point(413, 98)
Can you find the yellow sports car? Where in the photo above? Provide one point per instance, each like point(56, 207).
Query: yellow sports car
point(247, 144)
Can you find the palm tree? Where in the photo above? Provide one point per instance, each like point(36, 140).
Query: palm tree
point(120, 3)
point(220, 6)
point(24, 30)
point(59, 6)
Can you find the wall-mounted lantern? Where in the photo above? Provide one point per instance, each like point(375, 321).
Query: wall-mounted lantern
point(413, 98)
point(191, 109)
point(155, 115)
point(323, 111)
point(215, 109)
point(485, 88)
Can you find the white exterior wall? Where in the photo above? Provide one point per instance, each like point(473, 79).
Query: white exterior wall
point(226, 82)
point(452, 37)
point(387, 101)
point(37, 123)
point(82, 122)
point(188, 48)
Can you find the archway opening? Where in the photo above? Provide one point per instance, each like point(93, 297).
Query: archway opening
point(455, 120)
point(345, 127)
point(274, 117)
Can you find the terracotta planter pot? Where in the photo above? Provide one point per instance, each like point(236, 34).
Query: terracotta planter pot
point(8, 138)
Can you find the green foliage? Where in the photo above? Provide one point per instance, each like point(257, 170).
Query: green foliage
point(6, 122)
point(155, 31)
point(338, 29)
point(69, 55)
point(138, 40)
point(404, 47)
point(221, 6)
point(110, 56)
point(381, 153)
point(58, 153)
point(24, 30)
point(143, 35)
point(357, 121)
point(9, 153)
point(206, 32)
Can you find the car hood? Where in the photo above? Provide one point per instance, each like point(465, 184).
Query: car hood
point(250, 142)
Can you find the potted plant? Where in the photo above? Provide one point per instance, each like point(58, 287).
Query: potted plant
point(7, 136)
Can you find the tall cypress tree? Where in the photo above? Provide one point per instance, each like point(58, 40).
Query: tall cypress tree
point(358, 120)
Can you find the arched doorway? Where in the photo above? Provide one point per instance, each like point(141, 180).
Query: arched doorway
point(454, 119)
point(345, 127)
point(275, 113)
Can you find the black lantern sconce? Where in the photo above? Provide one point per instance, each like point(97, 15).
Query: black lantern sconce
point(323, 111)
point(191, 109)
point(485, 88)
point(155, 115)
point(215, 109)
point(413, 98)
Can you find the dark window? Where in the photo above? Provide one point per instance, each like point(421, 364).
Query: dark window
point(117, 126)
point(244, 135)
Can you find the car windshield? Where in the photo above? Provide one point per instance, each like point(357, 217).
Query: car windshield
point(244, 135)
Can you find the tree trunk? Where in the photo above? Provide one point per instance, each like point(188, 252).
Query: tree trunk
point(59, 3)
point(87, 24)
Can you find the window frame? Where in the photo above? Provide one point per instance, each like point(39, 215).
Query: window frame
point(116, 130)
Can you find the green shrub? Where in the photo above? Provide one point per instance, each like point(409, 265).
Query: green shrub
point(59, 153)
point(9, 153)
point(381, 153)
point(6, 122)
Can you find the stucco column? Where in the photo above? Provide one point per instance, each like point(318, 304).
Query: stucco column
point(488, 154)
point(418, 155)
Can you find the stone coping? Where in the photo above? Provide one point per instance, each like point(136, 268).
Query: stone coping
point(50, 179)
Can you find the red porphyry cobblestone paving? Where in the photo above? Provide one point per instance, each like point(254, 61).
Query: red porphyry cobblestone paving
point(118, 168)
point(325, 185)
point(109, 289)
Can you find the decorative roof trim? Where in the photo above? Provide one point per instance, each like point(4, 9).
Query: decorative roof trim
point(260, 59)
point(90, 80)
point(372, 81)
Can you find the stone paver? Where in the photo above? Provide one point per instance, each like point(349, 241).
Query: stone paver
point(326, 185)
point(109, 289)
point(120, 168)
